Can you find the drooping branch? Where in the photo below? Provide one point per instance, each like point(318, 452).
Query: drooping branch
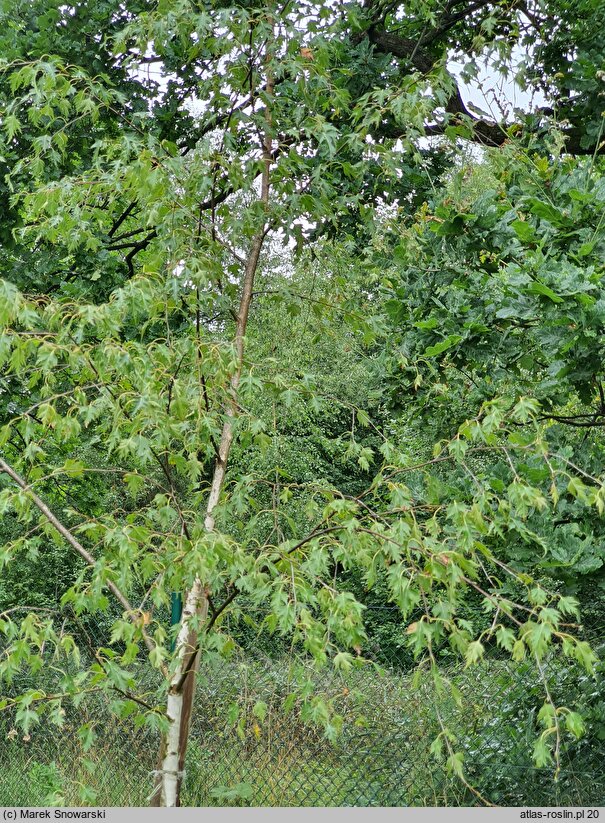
point(75, 544)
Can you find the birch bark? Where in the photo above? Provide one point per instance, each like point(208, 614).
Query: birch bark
point(182, 685)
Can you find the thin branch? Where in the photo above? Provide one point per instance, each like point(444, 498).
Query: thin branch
point(73, 542)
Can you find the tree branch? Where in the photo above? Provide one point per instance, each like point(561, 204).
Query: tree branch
point(484, 132)
point(73, 542)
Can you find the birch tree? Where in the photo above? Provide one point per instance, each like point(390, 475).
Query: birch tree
point(138, 219)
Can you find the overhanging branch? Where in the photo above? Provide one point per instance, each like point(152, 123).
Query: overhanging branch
point(485, 132)
point(5, 468)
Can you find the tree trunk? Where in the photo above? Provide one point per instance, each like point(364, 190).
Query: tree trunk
point(169, 776)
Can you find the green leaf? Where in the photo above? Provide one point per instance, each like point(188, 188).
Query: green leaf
point(538, 636)
point(536, 287)
point(569, 605)
point(519, 651)
point(455, 763)
point(541, 754)
point(546, 715)
point(474, 652)
point(524, 231)
point(537, 596)
point(586, 249)
point(134, 481)
point(362, 417)
point(12, 125)
point(585, 655)
point(439, 348)
point(73, 468)
point(343, 660)
point(505, 638)
point(259, 710)
point(574, 724)
point(546, 211)
point(436, 748)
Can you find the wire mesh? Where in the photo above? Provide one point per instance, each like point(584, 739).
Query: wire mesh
point(254, 740)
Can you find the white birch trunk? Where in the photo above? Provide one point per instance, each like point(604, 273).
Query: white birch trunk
point(174, 756)
point(182, 683)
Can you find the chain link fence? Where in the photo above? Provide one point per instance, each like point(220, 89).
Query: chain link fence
point(258, 738)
